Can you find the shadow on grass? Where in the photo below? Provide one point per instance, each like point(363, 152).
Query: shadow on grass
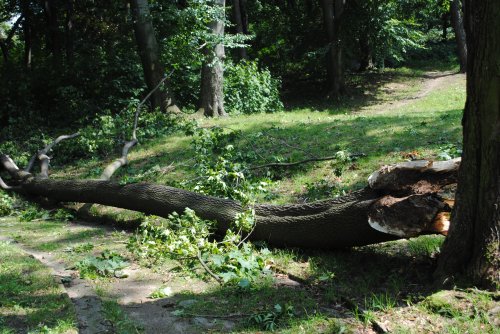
point(362, 89)
point(338, 286)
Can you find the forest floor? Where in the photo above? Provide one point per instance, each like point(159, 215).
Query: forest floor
point(373, 289)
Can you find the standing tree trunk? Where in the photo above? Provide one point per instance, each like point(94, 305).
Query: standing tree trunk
point(241, 23)
point(332, 17)
point(366, 61)
point(473, 243)
point(150, 56)
point(53, 35)
point(27, 27)
point(5, 44)
point(458, 27)
point(212, 75)
point(69, 32)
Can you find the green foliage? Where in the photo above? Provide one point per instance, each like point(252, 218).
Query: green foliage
point(107, 133)
point(449, 151)
point(271, 320)
point(108, 264)
point(6, 204)
point(63, 214)
point(83, 248)
point(425, 245)
point(248, 89)
point(32, 212)
point(190, 240)
point(220, 168)
point(161, 292)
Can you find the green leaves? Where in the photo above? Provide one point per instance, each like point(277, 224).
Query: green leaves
point(189, 239)
point(248, 89)
point(108, 264)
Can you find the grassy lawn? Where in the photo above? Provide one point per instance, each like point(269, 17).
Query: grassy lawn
point(30, 299)
point(345, 291)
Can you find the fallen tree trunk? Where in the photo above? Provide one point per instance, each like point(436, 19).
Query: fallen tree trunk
point(401, 201)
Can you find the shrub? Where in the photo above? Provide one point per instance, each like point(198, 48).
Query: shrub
point(6, 204)
point(248, 89)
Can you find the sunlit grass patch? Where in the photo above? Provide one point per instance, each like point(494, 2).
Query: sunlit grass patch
point(30, 300)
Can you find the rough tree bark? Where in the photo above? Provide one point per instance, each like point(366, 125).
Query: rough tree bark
point(241, 23)
point(366, 61)
point(149, 53)
point(212, 75)
point(68, 33)
point(401, 201)
point(53, 38)
point(473, 244)
point(332, 16)
point(27, 32)
point(458, 26)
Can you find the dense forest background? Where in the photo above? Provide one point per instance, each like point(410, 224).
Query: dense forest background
point(74, 62)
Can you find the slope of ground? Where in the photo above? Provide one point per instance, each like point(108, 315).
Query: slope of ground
point(386, 287)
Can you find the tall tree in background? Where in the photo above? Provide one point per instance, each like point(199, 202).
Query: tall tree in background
point(150, 55)
point(458, 26)
point(53, 38)
point(68, 32)
point(212, 75)
point(332, 16)
point(473, 243)
point(27, 32)
point(240, 18)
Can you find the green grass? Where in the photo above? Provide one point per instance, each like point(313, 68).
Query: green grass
point(30, 300)
point(390, 281)
point(118, 318)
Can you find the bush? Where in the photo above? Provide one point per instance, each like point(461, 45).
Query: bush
point(6, 204)
point(248, 89)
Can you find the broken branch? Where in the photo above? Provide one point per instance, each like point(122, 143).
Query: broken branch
point(290, 164)
point(43, 153)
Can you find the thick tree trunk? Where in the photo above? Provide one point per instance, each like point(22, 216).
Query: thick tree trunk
point(150, 56)
point(332, 17)
point(212, 76)
point(366, 61)
point(458, 27)
point(27, 32)
point(240, 24)
point(53, 34)
point(69, 33)
point(473, 244)
point(399, 202)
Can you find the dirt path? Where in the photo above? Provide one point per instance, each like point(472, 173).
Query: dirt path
point(87, 304)
point(431, 82)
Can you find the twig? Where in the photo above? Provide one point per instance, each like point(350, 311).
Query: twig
point(43, 152)
point(232, 315)
point(249, 233)
point(203, 264)
point(138, 110)
point(289, 164)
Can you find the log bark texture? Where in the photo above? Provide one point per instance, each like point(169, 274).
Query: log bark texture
point(363, 217)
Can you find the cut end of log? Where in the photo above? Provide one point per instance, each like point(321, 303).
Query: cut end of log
point(415, 177)
point(385, 228)
point(441, 224)
point(409, 216)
